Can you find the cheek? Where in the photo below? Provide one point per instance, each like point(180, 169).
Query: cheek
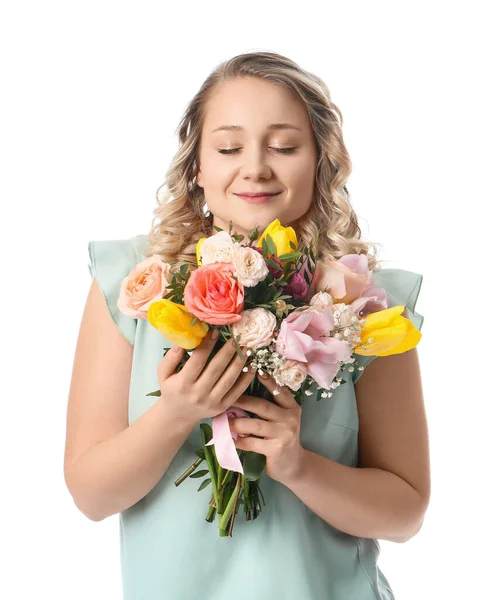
point(301, 183)
point(300, 173)
point(217, 172)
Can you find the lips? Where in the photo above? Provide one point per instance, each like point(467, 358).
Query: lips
point(257, 198)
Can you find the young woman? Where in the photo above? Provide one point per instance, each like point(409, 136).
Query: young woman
point(341, 472)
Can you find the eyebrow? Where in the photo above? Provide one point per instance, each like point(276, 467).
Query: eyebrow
point(272, 127)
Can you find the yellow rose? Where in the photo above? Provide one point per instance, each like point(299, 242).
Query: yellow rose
point(174, 322)
point(390, 333)
point(281, 236)
point(198, 251)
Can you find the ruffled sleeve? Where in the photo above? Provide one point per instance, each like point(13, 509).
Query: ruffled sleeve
point(402, 288)
point(110, 262)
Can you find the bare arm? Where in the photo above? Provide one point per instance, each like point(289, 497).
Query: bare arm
point(110, 465)
point(364, 502)
point(115, 474)
point(388, 495)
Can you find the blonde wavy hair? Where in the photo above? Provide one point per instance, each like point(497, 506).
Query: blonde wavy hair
point(180, 219)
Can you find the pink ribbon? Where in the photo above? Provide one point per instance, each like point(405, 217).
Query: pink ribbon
point(225, 449)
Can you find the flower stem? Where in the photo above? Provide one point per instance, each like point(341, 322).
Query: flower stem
point(211, 511)
point(211, 462)
point(192, 468)
point(239, 488)
point(230, 506)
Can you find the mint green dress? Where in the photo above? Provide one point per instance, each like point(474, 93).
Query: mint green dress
point(170, 552)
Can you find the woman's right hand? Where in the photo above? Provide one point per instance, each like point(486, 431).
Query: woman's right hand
point(201, 390)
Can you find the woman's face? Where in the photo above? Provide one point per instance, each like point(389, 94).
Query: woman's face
point(244, 151)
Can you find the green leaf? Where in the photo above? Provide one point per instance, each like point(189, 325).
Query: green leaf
point(206, 428)
point(237, 345)
point(200, 473)
point(200, 453)
point(289, 256)
point(206, 436)
point(158, 393)
point(272, 250)
point(254, 465)
point(193, 321)
point(292, 245)
point(217, 228)
point(253, 234)
point(264, 247)
point(204, 484)
point(273, 264)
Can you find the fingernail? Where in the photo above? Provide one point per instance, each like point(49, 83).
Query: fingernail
point(214, 334)
point(253, 368)
point(264, 375)
point(176, 349)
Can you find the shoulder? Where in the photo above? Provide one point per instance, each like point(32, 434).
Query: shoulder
point(110, 262)
point(402, 287)
point(140, 243)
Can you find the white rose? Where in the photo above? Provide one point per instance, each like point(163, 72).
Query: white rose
point(292, 374)
point(343, 315)
point(250, 266)
point(256, 327)
point(217, 248)
point(322, 299)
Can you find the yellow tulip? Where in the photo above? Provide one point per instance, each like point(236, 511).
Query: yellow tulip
point(390, 333)
point(281, 236)
point(198, 251)
point(174, 322)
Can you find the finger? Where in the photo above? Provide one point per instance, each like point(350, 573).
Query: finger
point(237, 389)
point(252, 444)
point(260, 406)
point(167, 367)
point(258, 427)
point(225, 366)
point(283, 397)
point(199, 357)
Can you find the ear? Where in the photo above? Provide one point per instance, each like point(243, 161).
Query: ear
point(198, 178)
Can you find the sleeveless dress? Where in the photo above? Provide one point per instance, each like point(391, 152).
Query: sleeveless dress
point(169, 551)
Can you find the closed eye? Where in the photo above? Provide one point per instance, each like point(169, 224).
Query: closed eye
point(233, 150)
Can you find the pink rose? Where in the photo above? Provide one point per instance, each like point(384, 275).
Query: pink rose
point(144, 285)
point(349, 280)
point(300, 339)
point(297, 287)
point(213, 295)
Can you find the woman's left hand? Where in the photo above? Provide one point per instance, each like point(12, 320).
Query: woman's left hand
point(279, 425)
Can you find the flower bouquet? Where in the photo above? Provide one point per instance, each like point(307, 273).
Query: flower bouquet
point(299, 319)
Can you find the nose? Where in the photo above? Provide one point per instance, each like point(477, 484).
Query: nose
point(255, 164)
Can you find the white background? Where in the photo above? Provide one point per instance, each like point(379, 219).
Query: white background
point(92, 93)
